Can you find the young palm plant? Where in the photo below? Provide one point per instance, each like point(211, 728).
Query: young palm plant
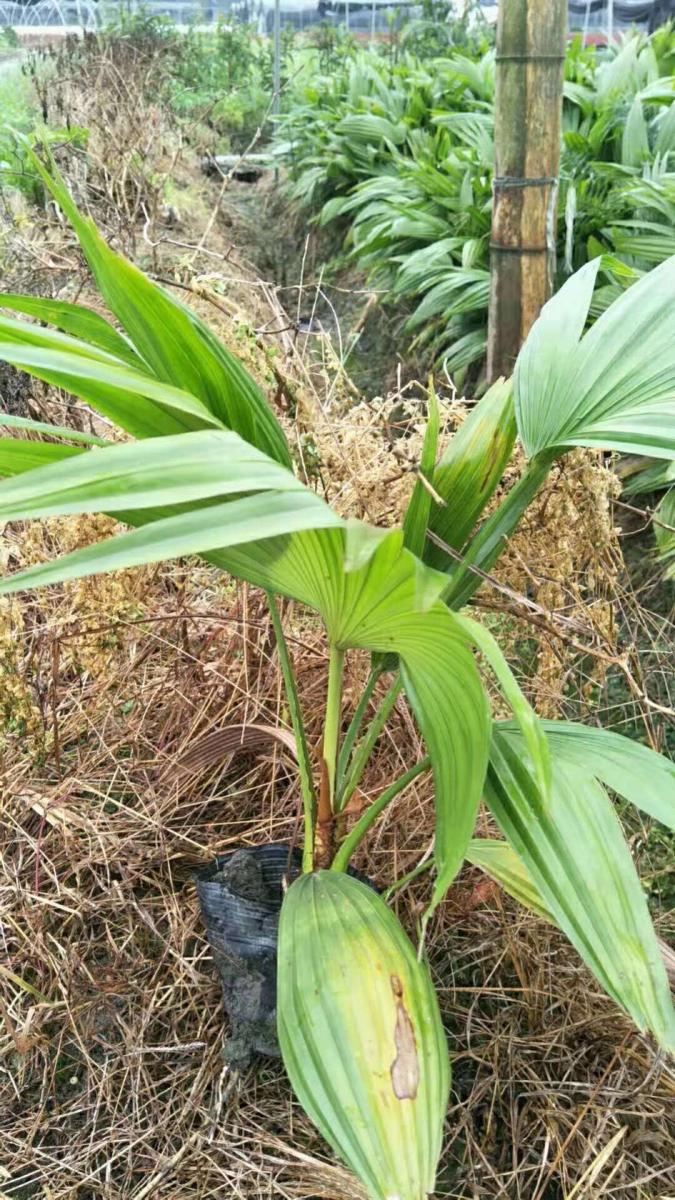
point(206, 470)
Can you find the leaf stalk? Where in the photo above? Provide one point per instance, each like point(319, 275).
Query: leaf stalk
point(307, 788)
point(360, 829)
point(323, 851)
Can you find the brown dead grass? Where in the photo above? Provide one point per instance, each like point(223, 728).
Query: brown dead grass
point(113, 1081)
point(111, 1074)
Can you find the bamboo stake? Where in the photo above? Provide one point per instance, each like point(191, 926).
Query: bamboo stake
point(530, 54)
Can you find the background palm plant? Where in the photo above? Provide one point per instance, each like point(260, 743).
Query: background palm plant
point(399, 157)
point(210, 472)
point(641, 478)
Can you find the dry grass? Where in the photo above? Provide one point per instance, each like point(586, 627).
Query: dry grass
point(113, 1080)
point(111, 1075)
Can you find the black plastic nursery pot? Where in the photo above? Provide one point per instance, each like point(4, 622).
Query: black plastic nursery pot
point(240, 895)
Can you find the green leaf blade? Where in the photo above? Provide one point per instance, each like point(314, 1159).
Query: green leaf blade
point(615, 386)
point(18, 456)
point(643, 777)
point(576, 855)
point(498, 860)
point(470, 470)
point(349, 981)
point(58, 431)
point(76, 320)
point(271, 515)
point(143, 406)
point(156, 473)
point(177, 347)
point(540, 375)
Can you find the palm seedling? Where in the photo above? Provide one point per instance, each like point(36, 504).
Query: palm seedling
point(206, 470)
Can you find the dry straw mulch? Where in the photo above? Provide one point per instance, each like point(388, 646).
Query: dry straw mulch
point(111, 1074)
point(113, 1080)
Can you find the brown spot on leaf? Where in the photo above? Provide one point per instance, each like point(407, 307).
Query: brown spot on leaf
point(405, 1069)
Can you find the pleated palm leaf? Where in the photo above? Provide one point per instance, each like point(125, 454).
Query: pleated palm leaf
point(206, 470)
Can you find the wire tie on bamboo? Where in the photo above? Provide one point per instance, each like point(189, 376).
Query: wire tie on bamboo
point(500, 182)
